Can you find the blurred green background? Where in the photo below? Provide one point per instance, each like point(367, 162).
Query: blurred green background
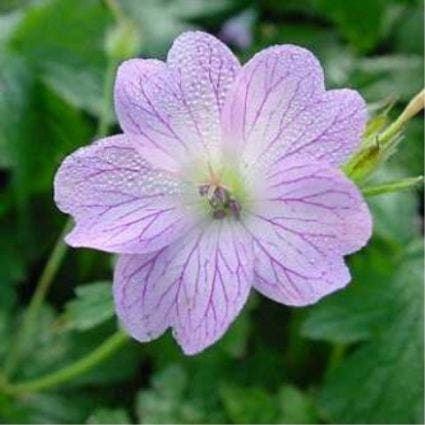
point(356, 357)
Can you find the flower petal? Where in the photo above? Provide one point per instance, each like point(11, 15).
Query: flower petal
point(207, 68)
point(175, 108)
point(278, 106)
point(144, 305)
point(137, 115)
point(197, 285)
point(215, 271)
point(309, 216)
point(119, 203)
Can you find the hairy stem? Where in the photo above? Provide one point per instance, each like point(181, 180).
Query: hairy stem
point(415, 105)
point(43, 285)
point(395, 186)
point(88, 362)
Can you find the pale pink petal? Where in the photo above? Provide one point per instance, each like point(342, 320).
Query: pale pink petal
point(215, 272)
point(278, 106)
point(132, 77)
point(144, 305)
point(174, 108)
point(119, 203)
point(197, 286)
point(308, 216)
point(207, 68)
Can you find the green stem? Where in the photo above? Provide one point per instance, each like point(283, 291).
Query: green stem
point(42, 287)
point(104, 120)
point(115, 9)
point(88, 362)
point(336, 356)
point(414, 106)
point(58, 253)
point(395, 186)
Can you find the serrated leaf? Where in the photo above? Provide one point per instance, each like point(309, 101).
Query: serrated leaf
point(92, 306)
point(382, 381)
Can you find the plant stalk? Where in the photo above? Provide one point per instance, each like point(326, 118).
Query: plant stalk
point(58, 253)
point(88, 362)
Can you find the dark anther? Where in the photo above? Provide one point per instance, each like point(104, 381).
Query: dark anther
point(235, 208)
point(220, 201)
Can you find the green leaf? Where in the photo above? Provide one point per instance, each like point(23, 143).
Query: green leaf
point(365, 307)
point(395, 215)
point(50, 348)
point(92, 306)
point(361, 22)
point(160, 21)
point(63, 40)
point(40, 128)
point(410, 154)
point(408, 33)
point(397, 75)
point(382, 381)
point(105, 415)
point(296, 406)
point(168, 401)
point(248, 405)
point(45, 408)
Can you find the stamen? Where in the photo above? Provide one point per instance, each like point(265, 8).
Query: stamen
point(220, 200)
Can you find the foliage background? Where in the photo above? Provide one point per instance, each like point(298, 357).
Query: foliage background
point(356, 357)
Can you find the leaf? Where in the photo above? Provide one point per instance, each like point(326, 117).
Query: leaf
point(382, 381)
point(395, 215)
point(360, 22)
point(365, 307)
point(50, 348)
point(40, 128)
point(409, 32)
point(93, 306)
point(410, 154)
point(296, 406)
point(167, 401)
point(397, 75)
point(16, 82)
point(42, 408)
point(63, 40)
point(248, 405)
point(105, 415)
point(160, 21)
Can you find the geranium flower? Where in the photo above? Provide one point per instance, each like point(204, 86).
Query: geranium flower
point(225, 178)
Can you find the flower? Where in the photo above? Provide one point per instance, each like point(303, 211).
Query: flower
point(225, 178)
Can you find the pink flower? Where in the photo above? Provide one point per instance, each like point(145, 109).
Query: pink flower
point(225, 178)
